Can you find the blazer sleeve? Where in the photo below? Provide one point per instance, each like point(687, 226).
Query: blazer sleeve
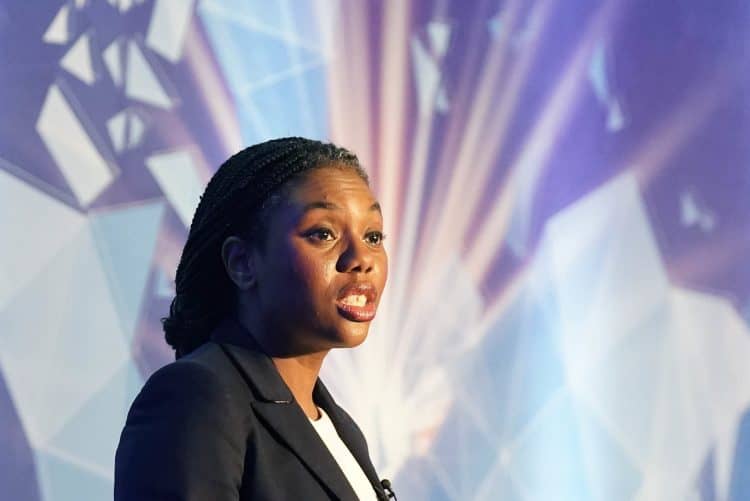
point(183, 439)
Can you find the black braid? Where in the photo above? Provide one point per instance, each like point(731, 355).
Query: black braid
point(238, 200)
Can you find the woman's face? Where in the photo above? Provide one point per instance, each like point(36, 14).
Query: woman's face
point(321, 272)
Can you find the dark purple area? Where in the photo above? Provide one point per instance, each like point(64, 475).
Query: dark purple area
point(17, 467)
point(657, 58)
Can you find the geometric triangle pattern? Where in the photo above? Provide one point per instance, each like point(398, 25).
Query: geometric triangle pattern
point(176, 174)
point(101, 417)
point(20, 262)
point(169, 23)
point(141, 82)
point(126, 239)
point(117, 128)
point(79, 157)
point(601, 341)
point(58, 31)
point(78, 60)
point(79, 340)
point(61, 479)
point(288, 75)
point(567, 326)
point(112, 57)
point(126, 129)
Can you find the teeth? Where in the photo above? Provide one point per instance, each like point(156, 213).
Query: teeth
point(355, 300)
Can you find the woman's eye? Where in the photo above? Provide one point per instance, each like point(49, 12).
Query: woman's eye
point(375, 237)
point(322, 234)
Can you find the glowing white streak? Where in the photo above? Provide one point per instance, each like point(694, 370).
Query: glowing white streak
point(404, 258)
point(526, 170)
point(219, 105)
point(448, 160)
point(336, 85)
point(350, 87)
point(392, 104)
point(455, 160)
point(81, 463)
point(394, 70)
point(326, 14)
point(216, 8)
point(282, 75)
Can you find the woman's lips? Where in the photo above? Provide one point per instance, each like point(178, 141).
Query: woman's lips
point(356, 302)
point(356, 313)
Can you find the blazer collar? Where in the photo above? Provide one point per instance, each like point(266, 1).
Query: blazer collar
point(259, 372)
point(275, 405)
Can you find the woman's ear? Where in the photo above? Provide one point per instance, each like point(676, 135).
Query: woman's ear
point(238, 260)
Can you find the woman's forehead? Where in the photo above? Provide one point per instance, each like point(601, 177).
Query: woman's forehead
point(331, 186)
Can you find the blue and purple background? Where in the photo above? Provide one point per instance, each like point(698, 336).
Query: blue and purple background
point(566, 187)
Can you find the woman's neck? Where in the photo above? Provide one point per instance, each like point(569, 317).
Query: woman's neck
point(300, 374)
point(298, 369)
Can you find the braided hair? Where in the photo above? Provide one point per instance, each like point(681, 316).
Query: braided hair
point(237, 201)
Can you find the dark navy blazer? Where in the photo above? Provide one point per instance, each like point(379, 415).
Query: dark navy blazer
point(220, 424)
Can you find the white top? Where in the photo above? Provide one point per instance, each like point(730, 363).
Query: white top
point(340, 452)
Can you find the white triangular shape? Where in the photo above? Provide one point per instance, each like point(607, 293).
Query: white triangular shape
point(169, 24)
point(136, 129)
point(141, 82)
point(57, 32)
point(426, 74)
point(33, 245)
point(177, 176)
point(111, 56)
point(78, 60)
point(125, 239)
point(73, 147)
point(116, 128)
point(439, 34)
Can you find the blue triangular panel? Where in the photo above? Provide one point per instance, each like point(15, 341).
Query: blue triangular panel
point(547, 458)
point(292, 106)
point(125, 239)
point(91, 435)
point(291, 19)
point(62, 480)
point(249, 57)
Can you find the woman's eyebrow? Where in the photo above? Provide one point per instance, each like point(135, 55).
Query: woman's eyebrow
point(320, 204)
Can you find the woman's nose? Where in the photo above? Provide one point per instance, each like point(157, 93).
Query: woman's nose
point(357, 256)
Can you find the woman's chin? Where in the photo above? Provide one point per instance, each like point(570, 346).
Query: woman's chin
point(352, 336)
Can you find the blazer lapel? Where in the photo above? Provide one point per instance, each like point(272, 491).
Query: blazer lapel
point(294, 429)
point(350, 435)
point(274, 404)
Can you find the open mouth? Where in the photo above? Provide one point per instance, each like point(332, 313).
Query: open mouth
point(356, 302)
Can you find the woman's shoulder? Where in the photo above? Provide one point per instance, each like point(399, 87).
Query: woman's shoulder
point(208, 362)
point(186, 431)
point(204, 379)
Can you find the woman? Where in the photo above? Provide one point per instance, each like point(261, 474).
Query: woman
point(284, 261)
